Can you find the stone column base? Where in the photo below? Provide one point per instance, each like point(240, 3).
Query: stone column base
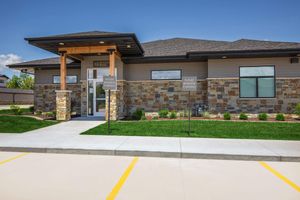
point(113, 105)
point(63, 105)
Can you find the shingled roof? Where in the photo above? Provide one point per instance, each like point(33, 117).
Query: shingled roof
point(179, 47)
point(46, 61)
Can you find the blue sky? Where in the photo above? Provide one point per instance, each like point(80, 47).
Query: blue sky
point(206, 19)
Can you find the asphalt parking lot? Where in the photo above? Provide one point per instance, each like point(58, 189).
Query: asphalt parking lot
point(36, 176)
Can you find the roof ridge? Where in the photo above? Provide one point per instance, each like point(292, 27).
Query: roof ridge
point(257, 40)
point(185, 38)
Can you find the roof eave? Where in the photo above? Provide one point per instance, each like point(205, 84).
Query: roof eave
point(70, 38)
point(260, 52)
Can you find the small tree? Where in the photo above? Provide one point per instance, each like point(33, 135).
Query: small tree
point(24, 81)
point(14, 82)
point(27, 82)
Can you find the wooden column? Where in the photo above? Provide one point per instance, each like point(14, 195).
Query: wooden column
point(112, 63)
point(63, 71)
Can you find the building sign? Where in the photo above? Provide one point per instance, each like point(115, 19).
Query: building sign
point(189, 83)
point(109, 83)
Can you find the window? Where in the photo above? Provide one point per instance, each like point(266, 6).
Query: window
point(69, 79)
point(166, 74)
point(257, 82)
point(1, 81)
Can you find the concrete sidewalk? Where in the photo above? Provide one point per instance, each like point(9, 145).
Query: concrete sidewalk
point(64, 138)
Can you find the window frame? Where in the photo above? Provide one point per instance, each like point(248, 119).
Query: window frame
point(66, 79)
point(166, 70)
point(256, 81)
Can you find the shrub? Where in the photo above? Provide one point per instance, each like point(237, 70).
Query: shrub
point(31, 109)
point(163, 113)
point(297, 110)
point(143, 118)
point(155, 118)
point(206, 115)
point(16, 109)
point(263, 116)
point(280, 117)
point(138, 114)
point(173, 115)
point(49, 114)
point(227, 116)
point(243, 116)
point(181, 114)
point(38, 112)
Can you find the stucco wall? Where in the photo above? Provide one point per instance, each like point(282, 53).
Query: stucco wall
point(88, 62)
point(224, 68)
point(45, 76)
point(134, 72)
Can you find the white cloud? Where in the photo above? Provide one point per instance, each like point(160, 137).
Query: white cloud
point(6, 59)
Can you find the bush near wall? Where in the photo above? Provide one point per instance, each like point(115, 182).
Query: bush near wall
point(263, 116)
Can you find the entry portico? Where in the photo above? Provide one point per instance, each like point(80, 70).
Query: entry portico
point(63, 97)
point(107, 48)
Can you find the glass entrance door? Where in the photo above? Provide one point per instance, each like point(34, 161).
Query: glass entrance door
point(96, 94)
point(99, 99)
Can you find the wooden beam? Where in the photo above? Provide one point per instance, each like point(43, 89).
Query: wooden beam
point(112, 63)
point(118, 54)
point(87, 50)
point(77, 57)
point(63, 71)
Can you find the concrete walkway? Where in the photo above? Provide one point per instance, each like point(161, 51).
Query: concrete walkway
point(64, 138)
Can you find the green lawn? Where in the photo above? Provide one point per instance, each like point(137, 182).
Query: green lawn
point(10, 111)
point(19, 124)
point(205, 129)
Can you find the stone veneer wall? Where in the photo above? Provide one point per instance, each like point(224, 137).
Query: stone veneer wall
point(45, 97)
point(117, 99)
point(223, 95)
point(83, 98)
point(156, 95)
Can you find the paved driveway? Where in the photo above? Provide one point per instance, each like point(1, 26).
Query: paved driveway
point(90, 177)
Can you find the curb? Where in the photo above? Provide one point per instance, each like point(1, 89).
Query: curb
point(154, 154)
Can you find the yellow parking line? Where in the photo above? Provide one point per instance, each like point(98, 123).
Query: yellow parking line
point(122, 180)
point(13, 158)
point(283, 178)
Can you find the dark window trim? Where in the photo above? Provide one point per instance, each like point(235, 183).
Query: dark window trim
point(257, 77)
point(66, 81)
point(166, 70)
